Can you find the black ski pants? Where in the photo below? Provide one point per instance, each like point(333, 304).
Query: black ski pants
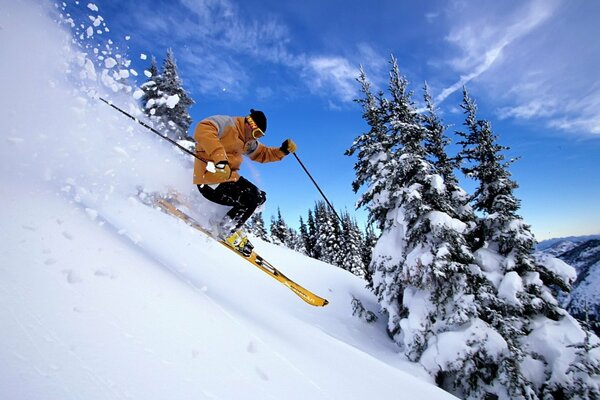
point(243, 196)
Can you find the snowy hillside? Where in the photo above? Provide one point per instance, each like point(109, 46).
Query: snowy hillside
point(557, 248)
point(103, 297)
point(558, 245)
point(585, 258)
point(583, 254)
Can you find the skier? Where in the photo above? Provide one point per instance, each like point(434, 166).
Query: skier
point(221, 142)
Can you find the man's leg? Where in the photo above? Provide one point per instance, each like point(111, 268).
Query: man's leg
point(243, 196)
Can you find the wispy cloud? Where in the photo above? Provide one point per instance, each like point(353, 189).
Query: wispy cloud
point(219, 49)
point(580, 114)
point(215, 42)
point(334, 73)
point(213, 73)
point(337, 75)
point(539, 63)
point(482, 43)
point(431, 16)
point(223, 23)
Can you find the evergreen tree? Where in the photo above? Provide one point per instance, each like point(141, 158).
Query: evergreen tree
point(168, 101)
point(422, 266)
point(304, 237)
point(436, 143)
point(321, 226)
point(311, 242)
point(352, 247)
point(584, 373)
point(280, 231)
point(367, 253)
point(256, 226)
point(485, 163)
point(374, 150)
point(328, 238)
point(150, 89)
point(521, 306)
point(294, 241)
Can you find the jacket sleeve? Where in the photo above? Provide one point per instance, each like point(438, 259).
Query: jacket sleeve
point(264, 154)
point(207, 139)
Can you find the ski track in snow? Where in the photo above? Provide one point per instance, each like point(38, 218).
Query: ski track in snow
point(257, 343)
point(192, 280)
point(234, 318)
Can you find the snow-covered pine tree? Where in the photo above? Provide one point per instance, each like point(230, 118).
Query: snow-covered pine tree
point(168, 107)
point(150, 88)
point(294, 241)
point(367, 253)
point(320, 240)
point(352, 246)
point(329, 235)
point(311, 242)
point(422, 267)
point(374, 150)
point(585, 366)
point(521, 306)
point(306, 240)
point(279, 230)
point(436, 143)
point(256, 226)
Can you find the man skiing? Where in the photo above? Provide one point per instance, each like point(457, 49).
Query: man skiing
point(221, 142)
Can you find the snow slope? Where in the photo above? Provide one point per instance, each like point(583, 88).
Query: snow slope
point(102, 297)
point(557, 246)
point(584, 298)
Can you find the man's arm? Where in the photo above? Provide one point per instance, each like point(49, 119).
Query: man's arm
point(264, 154)
point(207, 139)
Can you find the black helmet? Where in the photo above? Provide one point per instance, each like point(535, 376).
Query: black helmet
point(259, 118)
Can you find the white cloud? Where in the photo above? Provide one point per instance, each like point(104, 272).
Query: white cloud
point(336, 76)
point(213, 74)
point(559, 104)
point(221, 24)
point(580, 114)
point(534, 108)
point(590, 124)
point(214, 41)
point(431, 16)
point(220, 46)
point(538, 63)
point(482, 42)
point(334, 73)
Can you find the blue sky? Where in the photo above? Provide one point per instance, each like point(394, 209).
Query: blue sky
point(532, 66)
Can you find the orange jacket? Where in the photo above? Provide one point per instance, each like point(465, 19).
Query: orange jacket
point(220, 138)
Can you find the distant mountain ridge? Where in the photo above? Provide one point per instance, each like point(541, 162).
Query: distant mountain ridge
point(546, 244)
point(583, 254)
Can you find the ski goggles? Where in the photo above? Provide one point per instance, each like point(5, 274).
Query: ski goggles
point(256, 131)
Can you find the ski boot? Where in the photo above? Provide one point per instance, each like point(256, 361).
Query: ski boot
point(239, 242)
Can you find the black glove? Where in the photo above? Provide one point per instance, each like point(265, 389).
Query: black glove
point(288, 146)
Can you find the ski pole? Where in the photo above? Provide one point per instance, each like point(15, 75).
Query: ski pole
point(318, 188)
point(151, 129)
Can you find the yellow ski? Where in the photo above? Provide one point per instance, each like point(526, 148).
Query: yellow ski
point(253, 259)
